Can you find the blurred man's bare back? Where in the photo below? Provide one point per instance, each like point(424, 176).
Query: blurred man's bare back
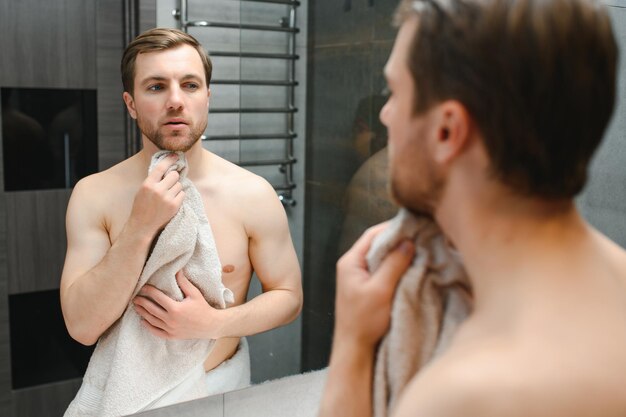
point(555, 348)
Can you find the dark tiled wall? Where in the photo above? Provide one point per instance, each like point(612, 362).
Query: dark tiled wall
point(347, 53)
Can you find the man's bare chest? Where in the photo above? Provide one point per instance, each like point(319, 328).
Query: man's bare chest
point(228, 230)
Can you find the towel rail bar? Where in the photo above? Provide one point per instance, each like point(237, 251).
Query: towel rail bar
point(269, 162)
point(286, 2)
point(272, 83)
point(255, 110)
point(286, 187)
point(250, 137)
point(224, 25)
point(261, 55)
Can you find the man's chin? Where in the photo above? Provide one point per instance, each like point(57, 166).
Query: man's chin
point(176, 144)
point(418, 206)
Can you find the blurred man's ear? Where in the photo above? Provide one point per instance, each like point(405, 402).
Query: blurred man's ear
point(453, 130)
point(130, 104)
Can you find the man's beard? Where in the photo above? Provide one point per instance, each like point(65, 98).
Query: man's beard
point(419, 196)
point(178, 141)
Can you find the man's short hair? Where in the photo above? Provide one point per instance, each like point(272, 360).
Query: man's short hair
point(159, 39)
point(537, 77)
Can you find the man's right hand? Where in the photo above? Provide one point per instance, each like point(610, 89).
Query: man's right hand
point(158, 198)
point(362, 316)
point(363, 300)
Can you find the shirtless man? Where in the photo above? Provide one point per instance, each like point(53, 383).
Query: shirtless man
point(496, 108)
point(114, 216)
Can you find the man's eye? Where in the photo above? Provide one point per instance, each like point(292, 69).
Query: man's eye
point(193, 86)
point(155, 87)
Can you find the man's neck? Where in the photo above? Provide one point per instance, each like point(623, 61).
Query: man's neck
point(513, 248)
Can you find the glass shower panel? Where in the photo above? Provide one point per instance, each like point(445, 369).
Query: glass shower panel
point(346, 179)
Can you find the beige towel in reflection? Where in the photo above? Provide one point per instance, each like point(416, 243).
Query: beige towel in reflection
point(431, 301)
point(130, 369)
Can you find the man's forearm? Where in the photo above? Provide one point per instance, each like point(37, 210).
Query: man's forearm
point(99, 297)
point(348, 390)
point(264, 312)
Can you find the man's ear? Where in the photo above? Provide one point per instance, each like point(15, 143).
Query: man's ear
point(208, 95)
point(453, 130)
point(130, 104)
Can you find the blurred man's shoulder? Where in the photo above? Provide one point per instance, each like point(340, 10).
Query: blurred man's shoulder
point(511, 381)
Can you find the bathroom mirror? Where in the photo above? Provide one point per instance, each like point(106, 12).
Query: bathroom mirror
point(337, 162)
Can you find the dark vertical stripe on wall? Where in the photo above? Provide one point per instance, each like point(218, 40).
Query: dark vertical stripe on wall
point(139, 16)
point(147, 14)
point(5, 354)
point(111, 110)
point(131, 30)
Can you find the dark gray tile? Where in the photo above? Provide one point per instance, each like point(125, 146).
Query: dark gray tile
point(147, 15)
point(339, 80)
point(276, 353)
point(383, 19)
point(322, 230)
point(331, 23)
point(5, 353)
point(5, 408)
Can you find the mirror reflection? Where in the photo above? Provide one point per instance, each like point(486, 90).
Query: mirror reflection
point(294, 164)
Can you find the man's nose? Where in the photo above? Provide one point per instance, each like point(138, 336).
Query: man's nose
point(174, 99)
point(383, 113)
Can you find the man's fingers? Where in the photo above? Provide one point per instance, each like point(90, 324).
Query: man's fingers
point(361, 246)
point(148, 305)
point(159, 170)
point(155, 330)
point(175, 190)
point(185, 285)
point(145, 314)
point(157, 296)
point(170, 180)
point(394, 265)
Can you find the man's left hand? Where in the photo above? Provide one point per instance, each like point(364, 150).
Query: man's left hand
point(191, 318)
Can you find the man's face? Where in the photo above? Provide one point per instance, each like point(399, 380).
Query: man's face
point(171, 98)
point(414, 178)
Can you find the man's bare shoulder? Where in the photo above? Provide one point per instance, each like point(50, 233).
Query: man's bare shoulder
point(108, 181)
point(614, 255)
point(463, 384)
point(509, 382)
point(93, 196)
point(239, 182)
point(244, 195)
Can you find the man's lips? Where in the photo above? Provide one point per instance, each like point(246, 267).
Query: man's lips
point(175, 122)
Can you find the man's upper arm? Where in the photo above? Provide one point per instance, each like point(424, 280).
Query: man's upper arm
point(87, 238)
point(271, 250)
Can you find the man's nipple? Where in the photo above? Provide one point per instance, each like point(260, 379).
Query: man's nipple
point(228, 268)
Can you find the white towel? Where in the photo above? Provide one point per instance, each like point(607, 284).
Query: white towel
point(130, 368)
point(432, 299)
point(232, 374)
